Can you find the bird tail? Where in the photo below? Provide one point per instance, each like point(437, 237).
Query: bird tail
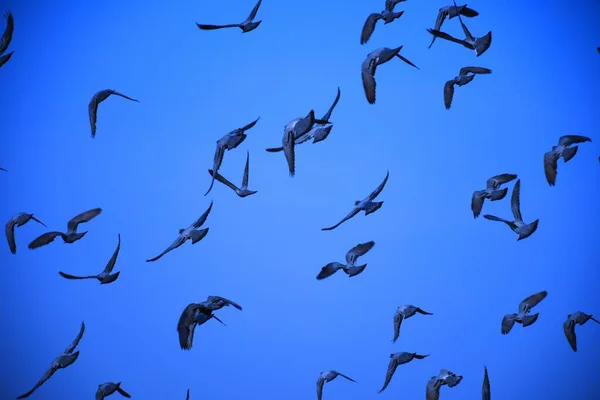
point(529, 319)
point(569, 152)
point(198, 235)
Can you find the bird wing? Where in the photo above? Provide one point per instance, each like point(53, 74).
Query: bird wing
point(422, 312)
point(92, 113)
point(357, 251)
point(515, 201)
point(304, 124)
point(327, 115)
point(8, 33)
point(85, 216)
point(251, 124)
point(373, 195)
point(223, 180)
point(320, 383)
point(253, 13)
point(186, 326)
point(500, 180)
point(468, 35)
point(474, 70)
point(344, 376)
point(551, 167)
point(441, 17)
point(398, 317)
point(389, 374)
point(114, 92)
point(485, 389)
point(47, 375)
point(123, 393)
point(508, 322)
point(406, 60)
point(222, 301)
point(532, 300)
point(328, 270)
point(369, 27)
point(178, 242)
point(477, 201)
point(202, 219)
point(69, 276)
point(218, 159)
point(432, 391)
point(207, 27)
point(568, 140)
point(10, 235)
point(44, 239)
point(75, 341)
point(569, 328)
point(351, 214)
point(113, 259)
point(444, 35)
point(494, 218)
point(368, 79)
point(246, 171)
point(289, 149)
point(448, 93)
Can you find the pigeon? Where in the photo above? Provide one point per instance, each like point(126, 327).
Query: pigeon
point(485, 389)
point(462, 79)
point(402, 313)
point(67, 358)
point(367, 204)
point(450, 378)
point(562, 150)
point(246, 26)
point(387, 15)
point(492, 191)
point(328, 376)
point(192, 232)
point(397, 359)
point(377, 57)
point(228, 142)
point(105, 276)
point(451, 12)
point(108, 388)
point(350, 268)
point(6, 39)
point(578, 318)
point(18, 220)
point(72, 235)
point(479, 44)
point(292, 130)
point(240, 191)
point(518, 226)
point(98, 98)
point(523, 317)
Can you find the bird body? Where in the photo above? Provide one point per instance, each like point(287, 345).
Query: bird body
point(71, 236)
point(564, 150)
point(108, 388)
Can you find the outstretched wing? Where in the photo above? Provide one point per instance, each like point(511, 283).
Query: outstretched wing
point(368, 79)
point(498, 219)
point(352, 213)
point(485, 389)
point(44, 239)
point(373, 195)
point(75, 341)
point(8, 33)
point(222, 179)
point(532, 300)
point(81, 218)
point(448, 93)
point(369, 27)
point(389, 374)
point(113, 259)
point(178, 242)
point(200, 221)
point(358, 250)
point(328, 270)
point(219, 302)
point(253, 14)
point(246, 171)
point(69, 276)
point(251, 124)
point(515, 201)
point(218, 159)
point(569, 329)
point(568, 140)
point(551, 167)
point(44, 378)
point(207, 27)
point(344, 376)
point(9, 229)
point(327, 115)
point(474, 70)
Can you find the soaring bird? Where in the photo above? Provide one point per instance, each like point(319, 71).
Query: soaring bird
point(292, 130)
point(350, 268)
point(562, 150)
point(402, 313)
point(106, 276)
point(518, 226)
point(242, 191)
point(523, 317)
point(98, 98)
point(377, 57)
point(578, 318)
point(6, 39)
point(397, 359)
point(67, 358)
point(445, 377)
point(387, 15)
point(192, 232)
point(485, 388)
point(451, 12)
point(462, 79)
point(492, 191)
point(328, 376)
point(108, 388)
point(368, 205)
point(246, 26)
point(228, 142)
point(478, 44)
point(71, 236)
point(17, 221)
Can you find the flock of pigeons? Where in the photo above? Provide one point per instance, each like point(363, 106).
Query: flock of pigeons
point(297, 132)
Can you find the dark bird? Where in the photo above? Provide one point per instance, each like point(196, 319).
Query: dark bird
point(462, 79)
point(240, 191)
point(518, 226)
point(350, 268)
point(397, 359)
point(450, 378)
point(485, 389)
point(328, 376)
point(187, 397)
point(451, 12)
point(402, 313)
point(492, 191)
point(2, 169)
point(523, 317)
point(369, 66)
point(196, 314)
point(6, 39)
point(293, 129)
point(192, 232)
point(106, 275)
point(67, 358)
point(98, 98)
point(367, 204)
point(246, 26)
point(17, 221)
point(562, 150)
point(387, 15)
point(326, 118)
point(479, 44)
point(71, 236)
point(578, 318)
point(108, 388)
point(228, 142)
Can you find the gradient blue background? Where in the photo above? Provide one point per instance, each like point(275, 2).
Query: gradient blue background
point(147, 169)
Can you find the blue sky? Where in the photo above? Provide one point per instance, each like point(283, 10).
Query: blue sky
point(147, 169)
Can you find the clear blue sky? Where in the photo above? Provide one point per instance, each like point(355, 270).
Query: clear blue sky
point(147, 169)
